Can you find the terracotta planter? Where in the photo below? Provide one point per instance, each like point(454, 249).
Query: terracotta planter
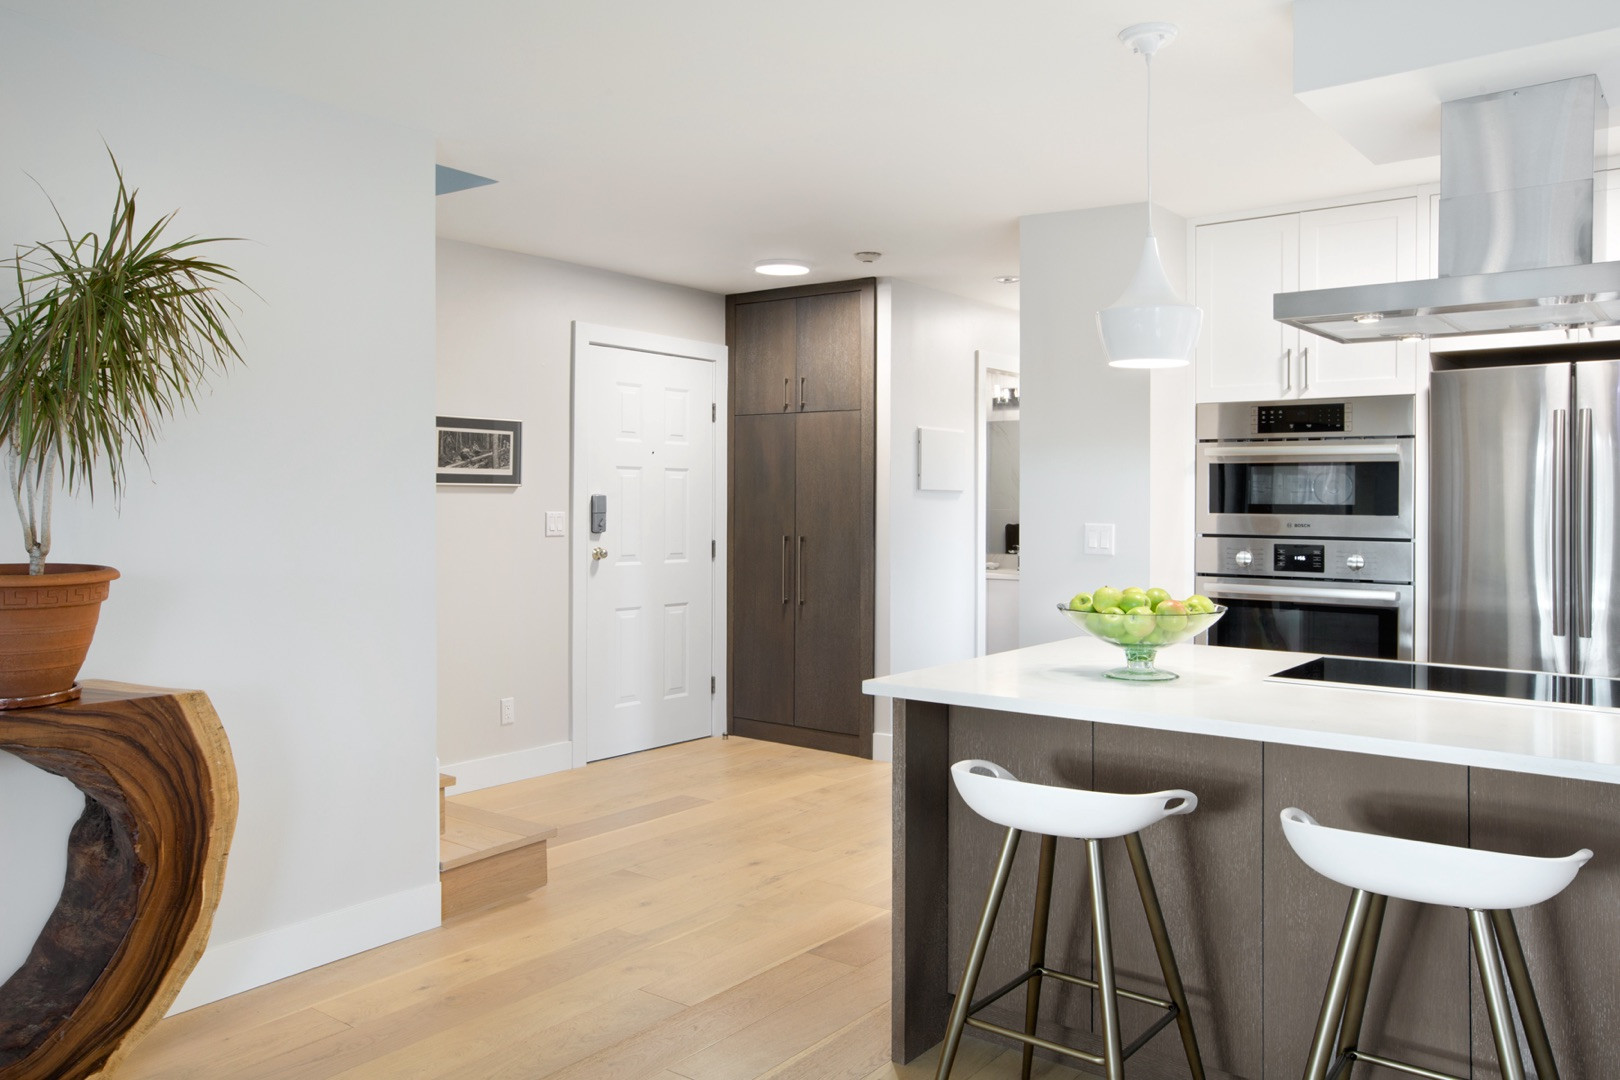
point(46, 623)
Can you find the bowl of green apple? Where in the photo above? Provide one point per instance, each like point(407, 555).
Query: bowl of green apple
point(1141, 621)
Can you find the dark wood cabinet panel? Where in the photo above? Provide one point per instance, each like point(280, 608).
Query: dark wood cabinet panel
point(1566, 940)
point(1207, 871)
point(763, 546)
point(829, 547)
point(763, 346)
point(1418, 1007)
point(832, 351)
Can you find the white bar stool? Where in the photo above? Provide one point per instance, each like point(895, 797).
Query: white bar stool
point(1488, 883)
point(995, 794)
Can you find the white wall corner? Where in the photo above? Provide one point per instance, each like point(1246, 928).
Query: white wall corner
point(232, 967)
point(509, 768)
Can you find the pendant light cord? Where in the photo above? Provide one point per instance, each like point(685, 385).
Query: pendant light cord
point(1147, 146)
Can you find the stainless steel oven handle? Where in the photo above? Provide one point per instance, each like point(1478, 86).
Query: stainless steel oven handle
point(1345, 449)
point(1381, 597)
point(1560, 519)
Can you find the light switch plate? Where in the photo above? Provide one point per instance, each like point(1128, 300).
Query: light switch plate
point(554, 522)
point(1099, 539)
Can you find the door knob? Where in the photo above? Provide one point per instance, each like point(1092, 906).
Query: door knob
point(599, 554)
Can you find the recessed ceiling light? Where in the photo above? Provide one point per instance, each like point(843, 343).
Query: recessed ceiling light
point(782, 267)
point(1006, 279)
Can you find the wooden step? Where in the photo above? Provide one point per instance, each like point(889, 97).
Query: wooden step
point(487, 859)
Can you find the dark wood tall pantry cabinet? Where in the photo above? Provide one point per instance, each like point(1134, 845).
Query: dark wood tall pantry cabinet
point(803, 518)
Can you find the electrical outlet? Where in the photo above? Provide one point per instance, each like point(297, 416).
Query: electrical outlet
point(1099, 539)
point(554, 522)
point(507, 711)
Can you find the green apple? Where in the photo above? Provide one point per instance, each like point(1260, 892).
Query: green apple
point(1159, 637)
point(1134, 597)
point(1080, 601)
point(1140, 622)
point(1199, 605)
point(1157, 597)
point(1111, 623)
point(1172, 616)
point(1105, 597)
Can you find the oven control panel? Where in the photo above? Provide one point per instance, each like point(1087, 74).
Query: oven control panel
point(1298, 558)
point(1330, 560)
point(1304, 418)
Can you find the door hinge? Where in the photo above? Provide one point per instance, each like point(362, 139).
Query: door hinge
point(713, 549)
point(711, 685)
point(714, 412)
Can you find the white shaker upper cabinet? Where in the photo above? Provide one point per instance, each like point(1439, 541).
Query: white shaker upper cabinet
point(1244, 354)
point(1357, 245)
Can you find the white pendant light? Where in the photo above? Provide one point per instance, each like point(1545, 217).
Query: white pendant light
point(1149, 326)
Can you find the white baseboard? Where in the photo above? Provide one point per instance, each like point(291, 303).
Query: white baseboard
point(507, 768)
point(230, 967)
point(882, 746)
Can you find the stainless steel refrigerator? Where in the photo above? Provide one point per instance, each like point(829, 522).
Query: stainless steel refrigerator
point(1523, 492)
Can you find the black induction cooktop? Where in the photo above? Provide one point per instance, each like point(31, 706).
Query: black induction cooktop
point(1541, 687)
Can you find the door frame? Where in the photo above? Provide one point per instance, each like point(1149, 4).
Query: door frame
point(586, 335)
point(985, 362)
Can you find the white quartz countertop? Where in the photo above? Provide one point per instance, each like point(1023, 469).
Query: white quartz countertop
point(1226, 692)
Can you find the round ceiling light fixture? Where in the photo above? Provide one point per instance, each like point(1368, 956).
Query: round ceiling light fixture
point(782, 267)
point(1005, 279)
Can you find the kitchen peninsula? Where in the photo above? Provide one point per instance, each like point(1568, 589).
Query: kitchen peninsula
point(1253, 928)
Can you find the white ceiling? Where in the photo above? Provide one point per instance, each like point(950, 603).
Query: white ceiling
point(682, 140)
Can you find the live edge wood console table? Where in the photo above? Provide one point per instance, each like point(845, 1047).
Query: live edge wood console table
point(145, 864)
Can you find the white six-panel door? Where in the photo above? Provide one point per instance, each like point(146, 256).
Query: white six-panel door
point(645, 426)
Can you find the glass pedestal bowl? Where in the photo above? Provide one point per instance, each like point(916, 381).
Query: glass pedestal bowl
point(1142, 636)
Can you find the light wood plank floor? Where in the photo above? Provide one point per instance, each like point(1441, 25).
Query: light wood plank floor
point(717, 910)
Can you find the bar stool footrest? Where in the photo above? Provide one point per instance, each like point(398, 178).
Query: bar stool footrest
point(1349, 1057)
point(1170, 1014)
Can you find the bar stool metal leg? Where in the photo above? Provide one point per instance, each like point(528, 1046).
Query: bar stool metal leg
point(1496, 1002)
point(1355, 1006)
point(1333, 1003)
point(1167, 958)
point(1037, 946)
point(1518, 972)
point(1107, 992)
point(981, 942)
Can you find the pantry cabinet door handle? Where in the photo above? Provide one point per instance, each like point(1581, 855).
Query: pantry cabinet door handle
point(1288, 369)
point(801, 571)
point(1305, 370)
point(801, 393)
point(787, 393)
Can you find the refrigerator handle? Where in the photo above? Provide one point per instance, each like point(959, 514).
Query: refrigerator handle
point(1560, 523)
point(1582, 521)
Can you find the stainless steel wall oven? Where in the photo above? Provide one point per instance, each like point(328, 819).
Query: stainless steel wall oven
point(1305, 521)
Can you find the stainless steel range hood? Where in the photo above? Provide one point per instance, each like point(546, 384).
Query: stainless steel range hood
point(1516, 217)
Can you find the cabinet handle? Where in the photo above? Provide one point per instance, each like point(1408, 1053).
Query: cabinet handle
point(1288, 369)
point(801, 393)
point(787, 393)
point(787, 557)
point(1304, 369)
point(801, 571)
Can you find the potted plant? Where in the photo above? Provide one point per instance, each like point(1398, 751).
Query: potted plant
point(105, 338)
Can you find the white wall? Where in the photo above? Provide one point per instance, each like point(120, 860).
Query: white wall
point(1100, 444)
point(280, 554)
point(928, 546)
point(503, 351)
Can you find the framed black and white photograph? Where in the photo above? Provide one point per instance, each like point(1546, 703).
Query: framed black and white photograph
point(474, 451)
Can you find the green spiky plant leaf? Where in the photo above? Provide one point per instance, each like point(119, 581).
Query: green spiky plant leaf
point(107, 337)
